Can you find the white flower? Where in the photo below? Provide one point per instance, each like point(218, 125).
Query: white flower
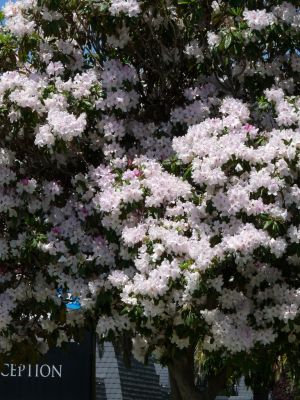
point(44, 136)
point(213, 39)
point(258, 19)
point(129, 7)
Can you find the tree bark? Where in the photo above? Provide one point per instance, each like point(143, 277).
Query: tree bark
point(216, 384)
point(260, 394)
point(182, 379)
point(175, 392)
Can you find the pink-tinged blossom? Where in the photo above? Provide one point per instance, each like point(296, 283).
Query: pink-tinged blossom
point(156, 182)
point(213, 39)
point(258, 19)
point(121, 39)
point(56, 230)
point(235, 108)
point(44, 136)
point(20, 26)
point(129, 7)
point(132, 236)
point(131, 174)
point(115, 73)
point(251, 130)
point(26, 185)
point(65, 125)
point(55, 68)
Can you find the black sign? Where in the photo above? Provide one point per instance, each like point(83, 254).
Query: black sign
point(61, 375)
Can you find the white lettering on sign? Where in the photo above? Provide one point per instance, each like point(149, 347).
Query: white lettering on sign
point(56, 371)
point(45, 371)
point(13, 370)
point(32, 371)
point(3, 374)
point(21, 368)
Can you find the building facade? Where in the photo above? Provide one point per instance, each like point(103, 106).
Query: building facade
point(114, 381)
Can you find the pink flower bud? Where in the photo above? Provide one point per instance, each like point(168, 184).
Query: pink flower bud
point(25, 181)
point(56, 230)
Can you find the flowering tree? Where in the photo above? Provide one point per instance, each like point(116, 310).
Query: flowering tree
point(149, 163)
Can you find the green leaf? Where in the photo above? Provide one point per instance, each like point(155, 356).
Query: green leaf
point(267, 224)
point(183, 2)
point(186, 264)
point(188, 173)
point(227, 41)
point(236, 11)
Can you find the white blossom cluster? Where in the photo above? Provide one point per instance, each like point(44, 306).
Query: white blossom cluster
point(239, 190)
point(128, 7)
point(141, 173)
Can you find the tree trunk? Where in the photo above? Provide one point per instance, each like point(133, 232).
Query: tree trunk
point(182, 379)
point(260, 394)
point(216, 384)
point(175, 392)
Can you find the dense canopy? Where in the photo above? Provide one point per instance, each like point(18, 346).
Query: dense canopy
point(149, 164)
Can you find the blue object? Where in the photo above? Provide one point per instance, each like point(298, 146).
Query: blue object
point(71, 302)
point(74, 304)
